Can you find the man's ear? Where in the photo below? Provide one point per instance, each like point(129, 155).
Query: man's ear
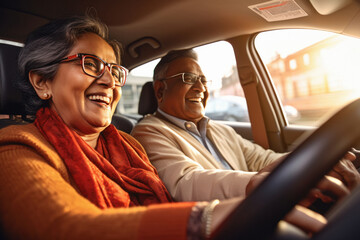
point(159, 89)
point(41, 85)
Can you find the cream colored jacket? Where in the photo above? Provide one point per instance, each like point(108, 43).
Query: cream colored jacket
point(188, 169)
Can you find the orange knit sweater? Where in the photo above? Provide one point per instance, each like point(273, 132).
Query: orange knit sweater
point(38, 199)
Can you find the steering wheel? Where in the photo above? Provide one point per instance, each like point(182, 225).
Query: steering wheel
point(258, 215)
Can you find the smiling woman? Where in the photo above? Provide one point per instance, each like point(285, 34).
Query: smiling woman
point(71, 162)
point(85, 105)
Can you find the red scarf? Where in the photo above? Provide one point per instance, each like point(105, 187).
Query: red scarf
point(115, 174)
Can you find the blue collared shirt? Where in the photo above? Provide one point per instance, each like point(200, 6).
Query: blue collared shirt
point(198, 134)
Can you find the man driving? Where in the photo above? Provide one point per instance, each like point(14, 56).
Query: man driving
point(197, 158)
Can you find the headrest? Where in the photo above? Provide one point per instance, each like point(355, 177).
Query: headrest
point(147, 101)
point(10, 97)
point(123, 123)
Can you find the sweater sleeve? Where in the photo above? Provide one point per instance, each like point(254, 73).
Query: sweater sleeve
point(37, 202)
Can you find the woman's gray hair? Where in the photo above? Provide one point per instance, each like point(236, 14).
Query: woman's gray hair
point(51, 43)
point(162, 66)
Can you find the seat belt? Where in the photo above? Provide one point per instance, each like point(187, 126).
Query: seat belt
point(249, 84)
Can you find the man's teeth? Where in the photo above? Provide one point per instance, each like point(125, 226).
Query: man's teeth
point(195, 99)
point(101, 98)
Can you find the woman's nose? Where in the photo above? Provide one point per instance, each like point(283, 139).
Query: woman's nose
point(107, 78)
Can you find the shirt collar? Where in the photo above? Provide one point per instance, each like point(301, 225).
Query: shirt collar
point(187, 125)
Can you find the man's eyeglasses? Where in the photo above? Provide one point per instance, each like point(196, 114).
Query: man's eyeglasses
point(94, 66)
point(191, 78)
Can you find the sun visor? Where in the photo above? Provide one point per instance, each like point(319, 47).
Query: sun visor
point(326, 7)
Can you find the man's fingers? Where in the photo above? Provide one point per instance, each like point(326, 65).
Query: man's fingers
point(346, 172)
point(332, 187)
point(306, 219)
point(315, 194)
point(350, 156)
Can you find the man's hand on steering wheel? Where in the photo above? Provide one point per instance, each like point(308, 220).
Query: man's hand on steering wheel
point(346, 171)
point(333, 187)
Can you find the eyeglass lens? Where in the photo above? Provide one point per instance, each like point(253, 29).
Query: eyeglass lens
point(193, 78)
point(95, 67)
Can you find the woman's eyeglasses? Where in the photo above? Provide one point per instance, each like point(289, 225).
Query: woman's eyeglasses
point(94, 66)
point(191, 78)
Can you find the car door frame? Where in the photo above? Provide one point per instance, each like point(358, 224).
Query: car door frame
point(266, 106)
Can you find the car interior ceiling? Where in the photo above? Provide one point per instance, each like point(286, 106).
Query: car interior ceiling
point(131, 22)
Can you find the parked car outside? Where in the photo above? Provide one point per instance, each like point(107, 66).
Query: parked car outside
point(234, 108)
point(227, 108)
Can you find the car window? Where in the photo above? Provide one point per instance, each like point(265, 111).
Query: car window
point(314, 72)
point(226, 101)
point(217, 60)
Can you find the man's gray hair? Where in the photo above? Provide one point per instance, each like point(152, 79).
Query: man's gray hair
point(162, 66)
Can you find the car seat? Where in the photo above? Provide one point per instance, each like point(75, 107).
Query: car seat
point(123, 123)
point(147, 101)
point(11, 103)
point(12, 108)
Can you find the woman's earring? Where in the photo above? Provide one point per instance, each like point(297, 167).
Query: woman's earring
point(46, 96)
